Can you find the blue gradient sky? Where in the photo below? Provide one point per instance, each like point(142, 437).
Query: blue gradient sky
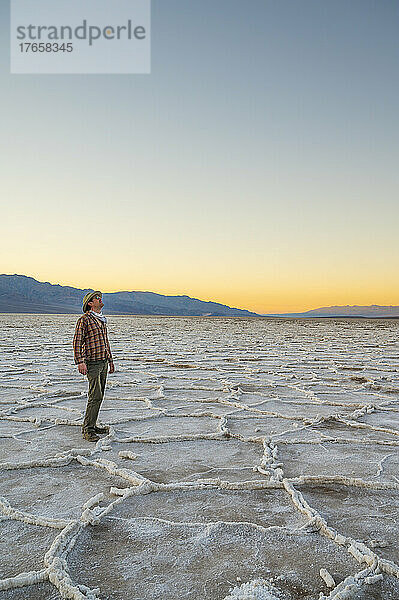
point(256, 165)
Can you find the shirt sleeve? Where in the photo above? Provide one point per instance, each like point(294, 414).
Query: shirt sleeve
point(78, 341)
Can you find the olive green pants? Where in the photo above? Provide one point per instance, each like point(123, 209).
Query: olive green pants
point(97, 376)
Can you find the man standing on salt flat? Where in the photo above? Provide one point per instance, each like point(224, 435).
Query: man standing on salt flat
point(92, 355)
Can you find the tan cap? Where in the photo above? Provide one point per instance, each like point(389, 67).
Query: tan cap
point(89, 296)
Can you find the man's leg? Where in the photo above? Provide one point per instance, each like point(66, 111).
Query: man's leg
point(95, 394)
point(103, 381)
point(103, 377)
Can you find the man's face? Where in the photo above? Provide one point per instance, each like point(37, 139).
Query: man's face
point(96, 303)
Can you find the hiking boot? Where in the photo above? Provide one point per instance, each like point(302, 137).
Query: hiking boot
point(90, 436)
point(101, 430)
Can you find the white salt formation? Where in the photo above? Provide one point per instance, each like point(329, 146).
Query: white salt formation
point(328, 579)
point(246, 460)
point(254, 590)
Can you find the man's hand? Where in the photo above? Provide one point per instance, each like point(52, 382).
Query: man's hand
point(82, 367)
point(111, 367)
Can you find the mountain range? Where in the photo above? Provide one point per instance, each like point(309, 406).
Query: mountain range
point(23, 294)
point(373, 311)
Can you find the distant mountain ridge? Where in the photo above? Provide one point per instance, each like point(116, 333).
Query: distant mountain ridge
point(373, 311)
point(23, 294)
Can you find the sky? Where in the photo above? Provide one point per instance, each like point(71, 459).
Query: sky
point(255, 166)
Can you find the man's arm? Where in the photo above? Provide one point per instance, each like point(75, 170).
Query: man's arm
point(110, 359)
point(78, 341)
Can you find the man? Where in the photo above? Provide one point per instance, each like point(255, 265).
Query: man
point(92, 355)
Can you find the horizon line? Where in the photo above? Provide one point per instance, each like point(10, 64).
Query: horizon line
point(282, 313)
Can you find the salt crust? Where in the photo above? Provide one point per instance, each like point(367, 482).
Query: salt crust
point(55, 559)
point(272, 471)
point(327, 578)
point(259, 589)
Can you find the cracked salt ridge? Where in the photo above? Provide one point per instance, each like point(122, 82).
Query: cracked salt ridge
point(268, 466)
point(205, 554)
point(259, 589)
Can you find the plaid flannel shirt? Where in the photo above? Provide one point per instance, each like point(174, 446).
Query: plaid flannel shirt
point(90, 341)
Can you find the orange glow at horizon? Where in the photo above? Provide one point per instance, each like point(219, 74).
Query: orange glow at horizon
point(256, 300)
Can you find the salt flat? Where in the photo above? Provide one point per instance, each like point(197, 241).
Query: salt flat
point(247, 458)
